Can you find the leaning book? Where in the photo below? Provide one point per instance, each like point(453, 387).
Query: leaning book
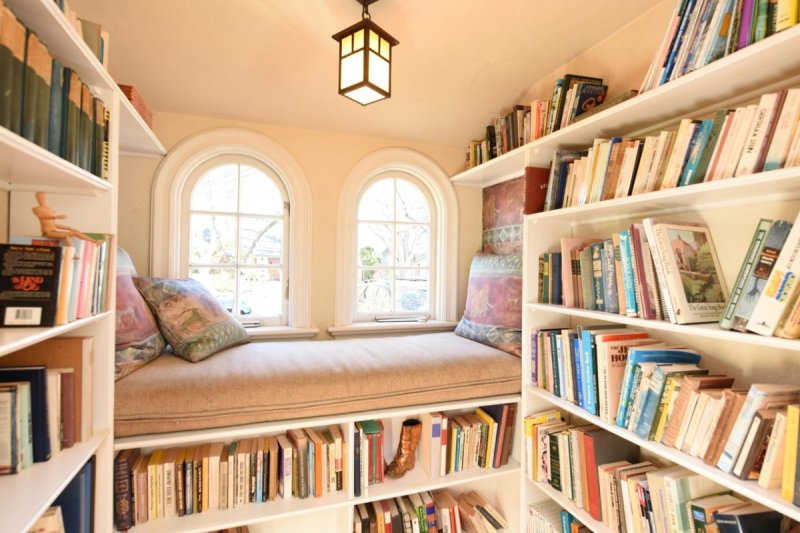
point(692, 273)
point(29, 283)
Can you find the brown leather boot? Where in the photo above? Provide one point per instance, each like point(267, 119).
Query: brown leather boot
point(406, 450)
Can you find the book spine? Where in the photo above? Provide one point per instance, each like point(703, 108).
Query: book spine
point(753, 252)
point(789, 480)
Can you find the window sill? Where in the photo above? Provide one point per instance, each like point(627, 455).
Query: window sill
point(280, 332)
point(384, 328)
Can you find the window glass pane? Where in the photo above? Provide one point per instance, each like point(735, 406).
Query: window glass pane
point(260, 241)
point(375, 244)
point(411, 290)
point(413, 246)
point(216, 190)
point(378, 202)
point(260, 292)
point(221, 282)
point(374, 291)
point(258, 194)
point(412, 205)
point(212, 239)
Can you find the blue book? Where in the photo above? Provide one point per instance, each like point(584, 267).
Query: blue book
point(719, 32)
point(652, 406)
point(76, 501)
point(645, 354)
point(356, 462)
point(677, 42)
point(554, 335)
point(37, 377)
point(626, 262)
point(576, 356)
point(589, 363)
point(695, 151)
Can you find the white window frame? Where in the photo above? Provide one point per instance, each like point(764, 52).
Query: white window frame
point(269, 174)
point(444, 221)
point(167, 240)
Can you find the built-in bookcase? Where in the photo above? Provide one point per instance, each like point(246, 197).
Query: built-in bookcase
point(731, 208)
point(90, 203)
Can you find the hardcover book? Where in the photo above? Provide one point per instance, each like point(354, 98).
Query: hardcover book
point(29, 285)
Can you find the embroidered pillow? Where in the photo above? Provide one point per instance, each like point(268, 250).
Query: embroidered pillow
point(493, 314)
point(137, 338)
point(192, 321)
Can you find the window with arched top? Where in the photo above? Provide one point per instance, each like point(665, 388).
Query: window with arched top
point(238, 236)
point(395, 248)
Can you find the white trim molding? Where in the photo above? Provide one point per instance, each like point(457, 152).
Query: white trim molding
point(446, 212)
point(177, 168)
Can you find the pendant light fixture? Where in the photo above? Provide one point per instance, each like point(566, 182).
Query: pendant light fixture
point(365, 60)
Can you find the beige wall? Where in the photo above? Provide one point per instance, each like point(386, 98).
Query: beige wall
point(621, 59)
point(326, 159)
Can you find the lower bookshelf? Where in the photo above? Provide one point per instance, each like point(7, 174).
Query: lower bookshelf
point(568, 505)
point(28, 494)
point(748, 489)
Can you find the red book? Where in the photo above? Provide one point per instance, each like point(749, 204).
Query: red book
point(535, 189)
point(601, 447)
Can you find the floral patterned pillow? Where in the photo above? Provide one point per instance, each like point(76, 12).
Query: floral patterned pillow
point(137, 338)
point(192, 321)
point(493, 314)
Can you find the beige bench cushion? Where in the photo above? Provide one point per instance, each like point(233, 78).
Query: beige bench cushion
point(267, 381)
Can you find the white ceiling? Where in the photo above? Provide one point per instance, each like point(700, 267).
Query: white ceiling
point(459, 62)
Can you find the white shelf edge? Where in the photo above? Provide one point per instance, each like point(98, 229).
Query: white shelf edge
point(748, 489)
point(13, 339)
point(712, 330)
point(28, 494)
point(561, 499)
point(229, 434)
point(781, 184)
point(737, 77)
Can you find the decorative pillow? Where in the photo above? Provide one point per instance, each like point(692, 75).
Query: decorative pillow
point(137, 338)
point(493, 314)
point(190, 318)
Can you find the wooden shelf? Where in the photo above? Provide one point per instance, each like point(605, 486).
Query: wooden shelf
point(13, 339)
point(739, 77)
point(559, 497)
point(748, 489)
point(28, 494)
point(712, 331)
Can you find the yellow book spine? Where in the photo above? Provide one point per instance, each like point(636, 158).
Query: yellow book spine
point(790, 452)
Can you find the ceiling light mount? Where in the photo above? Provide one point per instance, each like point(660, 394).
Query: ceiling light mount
point(365, 59)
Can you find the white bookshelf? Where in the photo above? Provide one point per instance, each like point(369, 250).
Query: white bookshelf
point(559, 497)
point(731, 208)
point(91, 204)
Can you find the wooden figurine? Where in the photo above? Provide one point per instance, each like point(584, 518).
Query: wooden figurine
point(47, 219)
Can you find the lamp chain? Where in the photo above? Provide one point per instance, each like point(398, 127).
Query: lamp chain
point(365, 10)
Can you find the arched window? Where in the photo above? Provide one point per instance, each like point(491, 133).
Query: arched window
point(238, 237)
point(232, 208)
point(397, 244)
point(395, 248)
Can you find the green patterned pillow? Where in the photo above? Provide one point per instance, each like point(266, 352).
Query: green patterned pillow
point(192, 321)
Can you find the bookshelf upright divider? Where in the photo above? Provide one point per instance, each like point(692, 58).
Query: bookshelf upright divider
point(90, 203)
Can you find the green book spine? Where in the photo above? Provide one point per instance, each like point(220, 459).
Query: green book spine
point(98, 138)
point(753, 253)
point(44, 75)
point(72, 114)
point(56, 107)
point(16, 40)
point(555, 463)
point(86, 129)
point(30, 87)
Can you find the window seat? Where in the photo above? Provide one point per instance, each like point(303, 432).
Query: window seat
point(271, 381)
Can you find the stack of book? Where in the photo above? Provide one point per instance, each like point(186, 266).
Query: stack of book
point(70, 282)
point(138, 102)
point(44, 408)
point(456, 442)
point(429, 511)
point(734, 142)
point(47, 103)
point(549, 517)
point(702, 31)
point(368, 462)
point(180, 481)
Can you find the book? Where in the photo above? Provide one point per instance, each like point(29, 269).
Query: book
point(753, 253)
point(693, 275)
point(602, 447)
point(51, 521)
point(760, 396)
point(730, 406)
point(685, 402)
point(771, 473)
point(785, 129)
point(702, 510)
point(751, 456)
point(759, 135)
point(29, 285)
point(749, 518)
point(77, 500)
point(653, 403)
point(36, 375)
point(789, 477)
point(11, 427)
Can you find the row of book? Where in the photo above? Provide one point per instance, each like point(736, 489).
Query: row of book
point(573, 96)
point(171, 482)
point(47, 283)
point(549, 517)
point(43, 394)
point(734, 142)
point(669, 270)
point(47, 103)
point(702, 31)
point(71, 511)
point(139, 103)
point(660, 393)
point(429, 512)
point(456, 442)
